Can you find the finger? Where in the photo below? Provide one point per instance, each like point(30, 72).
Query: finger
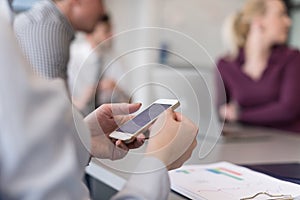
point(125, 108)
point(139, 142)
point(186, 121)
point(165, 118)
point(121, 145)
point(141, 136)
point(194, 144)
point(136, 143)
point(121, 119)
point(178, 116)
point(170, 112)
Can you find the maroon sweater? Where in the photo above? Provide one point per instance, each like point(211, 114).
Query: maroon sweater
point(274, 99)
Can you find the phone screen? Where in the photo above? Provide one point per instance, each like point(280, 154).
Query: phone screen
point(132, 126)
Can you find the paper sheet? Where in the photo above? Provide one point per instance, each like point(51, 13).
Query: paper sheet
point(226, 181)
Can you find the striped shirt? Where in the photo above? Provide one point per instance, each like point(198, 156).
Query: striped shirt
point(45, 35)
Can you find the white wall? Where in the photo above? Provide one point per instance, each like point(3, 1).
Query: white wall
point(199, 19)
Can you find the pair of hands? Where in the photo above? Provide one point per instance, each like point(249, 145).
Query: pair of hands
point(230, 112)
point(172, 137)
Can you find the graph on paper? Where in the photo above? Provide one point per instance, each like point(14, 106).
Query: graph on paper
point(226, 181)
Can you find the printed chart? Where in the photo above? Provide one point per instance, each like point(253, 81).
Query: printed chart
point(226, 181)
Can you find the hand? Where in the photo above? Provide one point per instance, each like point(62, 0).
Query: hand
point(102, 122)
point(229, 112)
point(172, 139)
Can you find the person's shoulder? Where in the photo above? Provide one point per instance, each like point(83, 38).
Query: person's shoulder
point(22, 21)
point(39, 16)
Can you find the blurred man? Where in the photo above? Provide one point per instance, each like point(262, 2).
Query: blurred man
point(45, 32)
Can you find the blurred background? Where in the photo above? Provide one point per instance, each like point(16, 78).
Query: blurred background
point(191, 29)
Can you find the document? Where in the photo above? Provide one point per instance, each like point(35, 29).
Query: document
point(225, 180)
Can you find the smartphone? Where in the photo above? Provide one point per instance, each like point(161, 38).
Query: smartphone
point(140, 123)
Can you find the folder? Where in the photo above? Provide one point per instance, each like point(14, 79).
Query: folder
point(284, 171)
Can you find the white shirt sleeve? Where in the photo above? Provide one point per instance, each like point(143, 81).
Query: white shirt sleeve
point(43, 146)
point(42, 155)
point(152, 184)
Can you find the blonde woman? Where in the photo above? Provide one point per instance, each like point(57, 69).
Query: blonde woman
point(260, 73)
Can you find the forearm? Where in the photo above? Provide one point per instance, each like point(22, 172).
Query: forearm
point(270, 114)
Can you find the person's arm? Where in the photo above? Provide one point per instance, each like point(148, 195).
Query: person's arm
point(41, 151)
point(286, 108)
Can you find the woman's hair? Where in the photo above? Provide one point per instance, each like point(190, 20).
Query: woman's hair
point(236, 26)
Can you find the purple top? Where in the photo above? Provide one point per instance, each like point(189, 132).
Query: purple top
point(274, 99)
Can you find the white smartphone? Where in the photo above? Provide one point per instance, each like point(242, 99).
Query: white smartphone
point(140, 123)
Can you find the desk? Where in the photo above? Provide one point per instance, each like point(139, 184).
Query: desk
point(253, 145)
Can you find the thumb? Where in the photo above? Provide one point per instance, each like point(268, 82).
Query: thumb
point(125, 108)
